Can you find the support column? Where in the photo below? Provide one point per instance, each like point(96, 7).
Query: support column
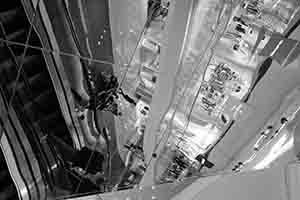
point(176, 29)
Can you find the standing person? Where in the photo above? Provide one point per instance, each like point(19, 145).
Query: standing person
point(106, 86)
point(127, 98)
point(152, 4)
point(240, 20)
point(154, 10)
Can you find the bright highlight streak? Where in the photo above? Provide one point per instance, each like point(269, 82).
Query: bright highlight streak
point(198, 137)
point(283, 145)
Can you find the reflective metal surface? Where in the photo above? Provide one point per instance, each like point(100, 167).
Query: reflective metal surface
point(151, 92)
point(216, 115)
point(20, 158)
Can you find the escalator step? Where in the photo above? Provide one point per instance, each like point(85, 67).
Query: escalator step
point(8, 16)
point(5, 68)
point(17, 36)
point(4, 177)
point(38, 84)
point(8, 5)
point(8, 71)
point(36, 103)
point(42, 105)
point(35, 40)
point(60, 131)
point(13, 20)
point(14, 197)
point(7, 191)
point(20, 37)
point(48, 121)
point(2, 160)
point(26, 98)
point(33, 65)
point(55, 124)
point(7, 188)
point(4, 54)
point(2, 165)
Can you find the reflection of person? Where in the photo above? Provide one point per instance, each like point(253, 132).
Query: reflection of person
point(240, 20)
point(157, 8)
point(240, 29)
point(104, 94)
point(114, 109)
point(78, 158)
point(106, 81)
point(128, 98)
point(235, 87)
point(81, 158)
point(236, 47)
point(152, 5)
point(232, 35)
point(252, 7)
point(242, 47)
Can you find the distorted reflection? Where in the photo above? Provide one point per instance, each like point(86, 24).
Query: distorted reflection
point(109, 95)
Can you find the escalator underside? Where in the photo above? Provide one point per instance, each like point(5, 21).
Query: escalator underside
point(34, 97)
